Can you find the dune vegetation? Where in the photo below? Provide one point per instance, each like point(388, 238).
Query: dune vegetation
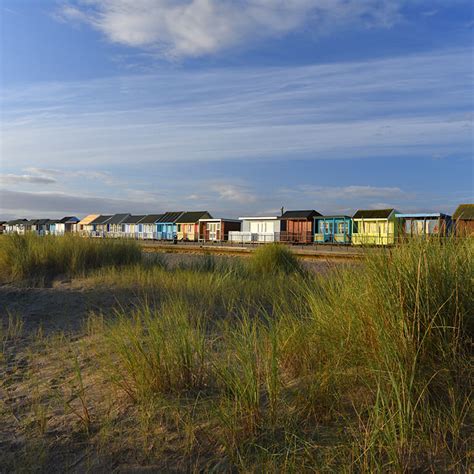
point(33, 259)
point(258, 366)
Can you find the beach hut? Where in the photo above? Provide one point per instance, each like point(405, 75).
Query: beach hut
point(147, 228)
point(423, 224)
point(115, 225)
point(130, 226)
point(463, 218)
point(34, 226)
point(17, 226)
point(166, 227)
point(65, 225)
point(50, 227)
point(217, 230)
point(100, 226)
point(188, 225)
point(257, 230)
point(333, 229)
point(39, 226)
point(2, 226)
point(374, 227)
point(84, 226)
point(298, 226)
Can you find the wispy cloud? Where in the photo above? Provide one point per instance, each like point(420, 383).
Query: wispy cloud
point(201, 27)
point(230, 200)
point(105, 143)
point(58, 174)
point(234, 193)
point(16, 179)
point(350, 192)
point(32, 204)
point(380, 108)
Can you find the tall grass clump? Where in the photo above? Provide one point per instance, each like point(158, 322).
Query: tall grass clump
point(34, 258)
point(273, 259)
point(389, 343)
point(156, 350)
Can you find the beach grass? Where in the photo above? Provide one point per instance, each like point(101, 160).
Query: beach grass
point(34, 258)
point(258, 366)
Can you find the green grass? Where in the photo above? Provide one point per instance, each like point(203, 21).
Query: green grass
point(257, 366)
point(274, 258)
point(35, 259)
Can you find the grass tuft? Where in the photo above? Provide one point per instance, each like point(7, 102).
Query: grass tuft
point(36, 258)
point(273, 259)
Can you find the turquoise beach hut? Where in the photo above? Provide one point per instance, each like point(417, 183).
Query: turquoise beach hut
point(333, 229)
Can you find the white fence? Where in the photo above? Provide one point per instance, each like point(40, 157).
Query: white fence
point(240, 237)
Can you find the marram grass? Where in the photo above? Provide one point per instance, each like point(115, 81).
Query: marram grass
point(229, 368)
point(35, 258)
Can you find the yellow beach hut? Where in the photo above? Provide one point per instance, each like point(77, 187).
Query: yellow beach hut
point(374, 227)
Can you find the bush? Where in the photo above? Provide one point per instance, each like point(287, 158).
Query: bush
point(274, 259)
point(34, 258)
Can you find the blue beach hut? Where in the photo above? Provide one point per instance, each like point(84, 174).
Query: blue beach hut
point(167, 227)
point(333, 229)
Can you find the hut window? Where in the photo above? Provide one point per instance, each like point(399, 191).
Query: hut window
point(342, 227)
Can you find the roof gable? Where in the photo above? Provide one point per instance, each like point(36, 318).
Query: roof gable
point(338, 216)
point(170, 217)
point(68, 219)
point(88, 219)
point(151, 219)
point(17, 221)
point(118, 218)
point(373, 213)
point(101, 219)
point(133, 219)
point(306, 214)
point(192, 217)
point(464, 212)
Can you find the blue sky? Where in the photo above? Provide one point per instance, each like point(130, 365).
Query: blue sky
point(238, 107)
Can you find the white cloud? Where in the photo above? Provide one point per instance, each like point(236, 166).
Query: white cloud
point(351, 192)
point(412, 105)
point(234, 193)
point(32, 204)
point(16, 179)
point(46, 173)
point(190, 28)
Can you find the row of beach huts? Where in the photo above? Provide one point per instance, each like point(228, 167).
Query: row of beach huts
point(365, 227)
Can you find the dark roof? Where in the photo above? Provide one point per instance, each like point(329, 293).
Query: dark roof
point(335, 216)
point(52, 221)
point(151, 218)
point(68, 219)
point(133, 219)
point(373, 213)
point(40, 221)
point(464, 212)
point(17, 221)
point(188, 217)
point(101, 220)
point(300, 214)
point(170, 216)
point(117, 218)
